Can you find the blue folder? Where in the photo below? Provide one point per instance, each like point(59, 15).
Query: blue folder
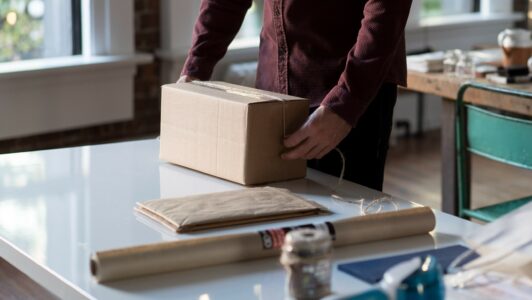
point(371, 271)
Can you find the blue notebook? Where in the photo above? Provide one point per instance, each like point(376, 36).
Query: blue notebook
point(371, 271)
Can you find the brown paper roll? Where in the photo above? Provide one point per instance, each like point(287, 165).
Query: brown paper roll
point(187, 254)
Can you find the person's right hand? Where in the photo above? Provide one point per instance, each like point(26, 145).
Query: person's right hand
point(186, 78)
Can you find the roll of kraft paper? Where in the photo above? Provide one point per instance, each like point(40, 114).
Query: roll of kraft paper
point(188, 254)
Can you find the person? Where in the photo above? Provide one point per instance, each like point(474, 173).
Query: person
point(347, 57)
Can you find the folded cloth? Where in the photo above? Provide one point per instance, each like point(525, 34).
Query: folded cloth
point(207, 211)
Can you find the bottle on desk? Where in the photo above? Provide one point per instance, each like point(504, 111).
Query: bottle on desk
point(465, 67)
point(450, 61)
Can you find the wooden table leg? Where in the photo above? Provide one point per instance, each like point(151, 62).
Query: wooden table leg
point(420, 113)
point(448, 154)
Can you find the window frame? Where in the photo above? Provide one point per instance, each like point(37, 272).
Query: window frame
point(76, 27)
point(107, 27)
point(79, 85)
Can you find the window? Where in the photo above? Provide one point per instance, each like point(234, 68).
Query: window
point(250, 30)
point(252, 22)
point(39, 28)
point(251, 26)
point(432, 8)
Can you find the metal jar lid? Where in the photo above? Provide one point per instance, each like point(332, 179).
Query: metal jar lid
point(307, 242)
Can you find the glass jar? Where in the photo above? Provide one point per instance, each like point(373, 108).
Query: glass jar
point(465, 66)
point(450, 61)
point(306, 256)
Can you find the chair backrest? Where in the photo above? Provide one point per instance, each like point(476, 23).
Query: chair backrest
point(493, 135)
point(499, 137)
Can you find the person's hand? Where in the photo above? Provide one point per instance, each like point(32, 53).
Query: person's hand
point(320, 134)
point(186, 78)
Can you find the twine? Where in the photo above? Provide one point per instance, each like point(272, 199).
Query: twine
point(364, 209)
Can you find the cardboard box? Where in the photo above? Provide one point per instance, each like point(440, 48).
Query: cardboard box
point(230, 131)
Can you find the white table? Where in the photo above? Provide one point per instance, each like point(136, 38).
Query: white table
point(59, 206)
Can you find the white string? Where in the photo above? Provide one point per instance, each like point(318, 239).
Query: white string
point(342, 172)
point(379, 201)
point(364, 209)
point(284, 118)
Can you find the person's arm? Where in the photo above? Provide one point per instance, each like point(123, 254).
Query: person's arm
point(368, 62)
point(217, 24)
point(370, 59)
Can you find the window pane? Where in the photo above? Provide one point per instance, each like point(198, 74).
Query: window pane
point(253, 22)
point(250, 30)
point(446, 7)
point(35, 29)
point(431, 8)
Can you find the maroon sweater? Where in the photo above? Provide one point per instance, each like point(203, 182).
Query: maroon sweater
point(334, 52)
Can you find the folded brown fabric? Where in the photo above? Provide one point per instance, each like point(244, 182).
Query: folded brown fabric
point(237, 207)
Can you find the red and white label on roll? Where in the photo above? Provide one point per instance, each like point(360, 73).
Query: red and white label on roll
point(274, 238)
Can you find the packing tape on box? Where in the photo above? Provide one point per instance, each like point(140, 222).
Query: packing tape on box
point(246, 93)
point(237, 90)
point(180, 255)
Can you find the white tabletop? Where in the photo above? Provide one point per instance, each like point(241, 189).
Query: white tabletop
point(59, 206)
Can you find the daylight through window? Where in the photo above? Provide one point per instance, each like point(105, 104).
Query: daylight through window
point(32, 29)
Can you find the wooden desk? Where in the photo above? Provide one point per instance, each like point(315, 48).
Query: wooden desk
point(447, 88)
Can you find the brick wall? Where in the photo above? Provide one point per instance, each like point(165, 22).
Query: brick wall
point(146, 102)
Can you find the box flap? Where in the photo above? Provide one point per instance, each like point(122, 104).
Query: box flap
point(231, 92)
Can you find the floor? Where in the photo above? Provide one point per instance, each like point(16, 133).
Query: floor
point(412, 172)
point(14, 285)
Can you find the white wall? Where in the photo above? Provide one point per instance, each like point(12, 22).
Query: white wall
point(61, 100)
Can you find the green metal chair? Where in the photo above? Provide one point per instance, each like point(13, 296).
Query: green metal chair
point(495, 136)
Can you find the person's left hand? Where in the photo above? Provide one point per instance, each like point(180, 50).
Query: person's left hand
point(320, 134)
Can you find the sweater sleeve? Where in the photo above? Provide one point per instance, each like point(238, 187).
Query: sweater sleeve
point(217, 25)
point(370, 59)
